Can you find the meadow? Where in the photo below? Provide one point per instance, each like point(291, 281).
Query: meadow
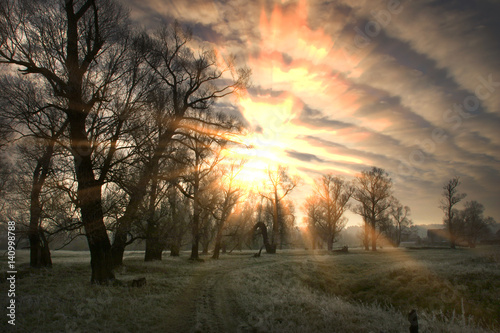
point(291, 291)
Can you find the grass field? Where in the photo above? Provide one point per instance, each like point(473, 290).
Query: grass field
point(292, 291)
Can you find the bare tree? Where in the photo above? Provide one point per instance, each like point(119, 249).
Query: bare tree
point(77, 48)
point(332, 198)
point(314, 214)
point(204, 145)
point(400, 218)
point(279, 185)
point(451, 197)
point(373, 192)
point(27, 115)
point(230, 194)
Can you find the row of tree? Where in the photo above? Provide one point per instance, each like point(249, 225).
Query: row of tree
point(109, 122)
point(382, 213)
point(467, 225)
point(116, 132)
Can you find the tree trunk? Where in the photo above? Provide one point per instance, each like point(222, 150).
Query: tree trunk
point(39, 247)
point(205, 248)
point(97, 237)
point(46, 259)
point(330, 243)
point(220, 228)
point(366, 242)
point(450, 228)
point(270, 248)
point(124, 224)
point(195, 231)
point(118, 247)
point(374, 237)
point(90, 201)
point(154, 249)
point(175, 250)
point(276, 226)
point(195, 227)
point(398, 241)
point(218, 242)
point(154, 246)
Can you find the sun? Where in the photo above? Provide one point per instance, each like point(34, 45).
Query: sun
point(252, 175)
point(254, 164)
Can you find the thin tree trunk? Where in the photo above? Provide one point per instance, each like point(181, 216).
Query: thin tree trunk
point(175, 250)
point(39, 247)
point(374, 237)
point(366, 236)
point(46, 259)
point(195, 230)
point(330, 243)
point(218, 241)
point(118, 247)
point(205, 248)
point(154, 246)
point(276, 226)
point(124, 224)
point(220, 227)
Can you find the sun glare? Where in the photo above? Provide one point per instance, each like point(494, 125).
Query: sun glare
point(293, 67)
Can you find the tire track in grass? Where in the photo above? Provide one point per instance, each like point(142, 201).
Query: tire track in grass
point(218, 310)
point(182, 316)
point(206, 303)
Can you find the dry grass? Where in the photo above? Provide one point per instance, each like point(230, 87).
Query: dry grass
point(293, 291)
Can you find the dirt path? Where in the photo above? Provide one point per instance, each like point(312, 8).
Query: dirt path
point(207, 303)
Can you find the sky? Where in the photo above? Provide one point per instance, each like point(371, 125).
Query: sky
point(412, 87)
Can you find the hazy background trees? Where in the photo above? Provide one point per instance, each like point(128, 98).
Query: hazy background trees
point(400, 219)
point(451, 197)
point(470, 223)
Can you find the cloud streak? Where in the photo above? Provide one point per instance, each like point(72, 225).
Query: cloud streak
point(338, 86)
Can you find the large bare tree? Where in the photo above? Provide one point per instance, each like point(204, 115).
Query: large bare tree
point(77, 47)
point(373, 193)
